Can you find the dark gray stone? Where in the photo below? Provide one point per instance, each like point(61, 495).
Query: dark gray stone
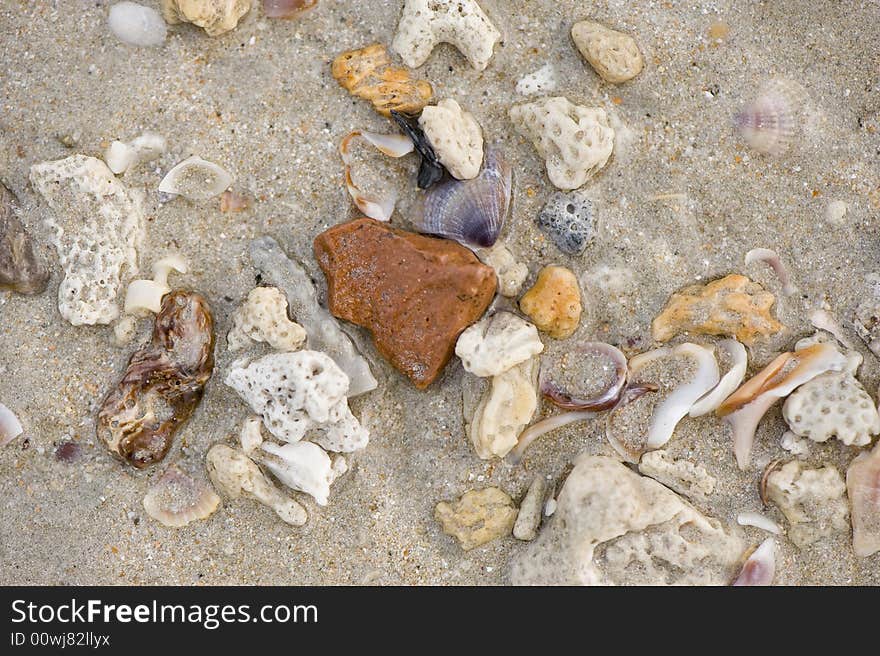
point(568, 221)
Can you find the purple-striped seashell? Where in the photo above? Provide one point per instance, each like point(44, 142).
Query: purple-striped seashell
point(770, 122)
point(471, 212)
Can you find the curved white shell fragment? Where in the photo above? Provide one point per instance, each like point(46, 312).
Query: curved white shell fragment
point(679, 402)
point(196, 179)
point(146, 295)
point(729, 381)
point(760, 568)
point(392, 145)
point(744, 408)
point(10, 426)
point(823, 320)
point(177, 499)
point(772, 260)
point(758, 521)
point(303, 466)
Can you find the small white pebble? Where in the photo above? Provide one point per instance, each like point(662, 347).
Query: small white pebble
point(137, 25)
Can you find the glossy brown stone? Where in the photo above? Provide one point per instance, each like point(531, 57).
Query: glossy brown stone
point(416, 294)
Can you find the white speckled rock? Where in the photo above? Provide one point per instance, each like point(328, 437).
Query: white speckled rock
point(614, 55)
point(574, 141)
point(425, 23)
point(496, 343)
point(136, 24)
point(97, 228)
point(456, 137)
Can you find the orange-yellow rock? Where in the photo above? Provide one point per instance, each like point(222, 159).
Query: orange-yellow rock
point(733, 305)
point(554, 302)
point(367, 73)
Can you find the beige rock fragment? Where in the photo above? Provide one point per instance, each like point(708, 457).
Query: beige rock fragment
point(554, 302)
point(478, 517)
point(614, 55)
point(214, 16)
point(688, 479)
point(530, 510)
point(733, 305)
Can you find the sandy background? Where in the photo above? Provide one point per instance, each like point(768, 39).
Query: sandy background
point(261, 102)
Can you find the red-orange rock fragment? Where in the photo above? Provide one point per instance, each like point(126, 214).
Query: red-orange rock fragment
point(415, 294)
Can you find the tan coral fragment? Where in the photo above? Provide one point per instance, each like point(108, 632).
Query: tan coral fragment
point(367, 73)
point(214, 16)
point(554, 302)
point(478, 517)
point(733, 305)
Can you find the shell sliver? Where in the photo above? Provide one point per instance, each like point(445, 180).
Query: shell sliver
point(471, 212)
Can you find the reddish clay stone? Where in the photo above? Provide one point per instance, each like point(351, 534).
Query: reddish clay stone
point(416, 294)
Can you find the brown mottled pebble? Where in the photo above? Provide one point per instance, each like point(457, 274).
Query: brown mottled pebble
point(163, 382)
point(20, 270)
point(415, 294)
point(554, 302)
point(478, 517)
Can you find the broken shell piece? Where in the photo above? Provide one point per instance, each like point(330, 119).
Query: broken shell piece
point(833, 404)
point(744, 408)
point(97, 227)
point(462, 23)
point(760, 567)
point(529, 517)
point(300, 392)
point(684, 477)
point(574, 141)
point(287, 8)
point(124, 157)
point(554, 302)
point(736, 352)
point(303, 466)
point(823, 320)
point(733, 305)
point(393, 145)
point(196, 179)
point(456, 137)
point(367, 73)
point(505, 409)
point(10, 427)
point(431, 169)
point(863, 489)
point(324, 333)
point(478, 517)
point(758, 521)
point(812, 501)
point(136, 25)
point(771, 121)
point(20, 269)
point(144, 296)
point(497, 343)
point(772, 260)
point(162, 384)
point(251, 436)
point(510, 273)
point(177, 499)
point(215, 16)
point(612, 54)
point(234, 475)
point(472, 212)
point(608, 397)
point(263, 318)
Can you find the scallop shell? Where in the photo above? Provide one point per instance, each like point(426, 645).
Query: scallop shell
point(196, 179)
point(470, 211)
point(771, 121)
point(177, 499)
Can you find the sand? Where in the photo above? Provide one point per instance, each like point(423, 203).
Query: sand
point(681, 201)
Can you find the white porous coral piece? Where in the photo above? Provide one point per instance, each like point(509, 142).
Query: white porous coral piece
point(462, 23)
point(541, 81)
point(614, 527)
point(510, 273)
point(497, 343)
point(574, 141)
point(505, 409)
point(796, 446)
point(123, 157)
point(303, 466)
point(614, 55)
point(196, 179)
point(215, 16)
point(263, 318)
point(234, 474)
point(300, 392)
point(833, 404)
point(97, 228)
point(686, 478)
point(456, 137)
point(812, 501)
point(144, 296)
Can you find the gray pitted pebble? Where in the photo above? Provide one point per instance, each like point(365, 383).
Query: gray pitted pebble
point(568, 221)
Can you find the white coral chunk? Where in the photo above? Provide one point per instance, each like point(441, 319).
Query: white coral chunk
point(497, 343)
point(300, 392)
point(456, 137)
point(263, 318)
point(303, 466)
point(574, 141)
point(462, 23)
point(833, 404)
point(98, 227)
point(544, 80)
point(215, 16)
